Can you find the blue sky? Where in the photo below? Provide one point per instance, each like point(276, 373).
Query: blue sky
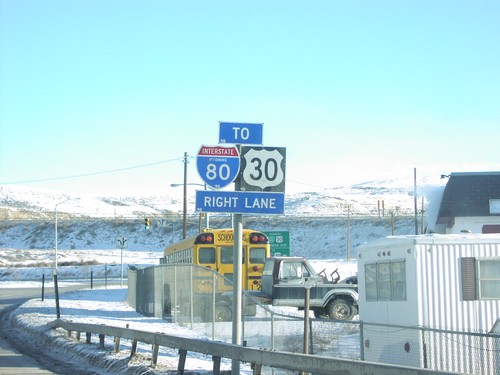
point(355, 90)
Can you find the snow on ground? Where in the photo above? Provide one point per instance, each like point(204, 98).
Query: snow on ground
point(30, 265)
point(108, 306)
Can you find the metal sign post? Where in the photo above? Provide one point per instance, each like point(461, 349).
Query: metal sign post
point(237, 279)
point(237, 288)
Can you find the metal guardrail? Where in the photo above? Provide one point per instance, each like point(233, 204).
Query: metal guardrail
point(258, 357)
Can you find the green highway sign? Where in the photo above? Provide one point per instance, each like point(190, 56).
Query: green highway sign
point(280, 242)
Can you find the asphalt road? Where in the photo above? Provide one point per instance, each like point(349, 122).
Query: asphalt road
point(15, 356)
point(12, 361)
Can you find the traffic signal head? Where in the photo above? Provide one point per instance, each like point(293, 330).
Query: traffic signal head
point(147, 224)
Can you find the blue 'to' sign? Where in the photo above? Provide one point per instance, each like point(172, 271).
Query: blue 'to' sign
point(218, 166)
point(240, 133)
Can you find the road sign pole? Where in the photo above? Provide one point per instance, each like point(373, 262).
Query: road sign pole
point(237, 288)
point(237, 276)
point(184, 201)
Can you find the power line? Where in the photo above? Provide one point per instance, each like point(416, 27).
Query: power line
point(90, 173)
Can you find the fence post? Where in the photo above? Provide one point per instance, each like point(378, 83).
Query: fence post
point(43, 286)
point(182, 361)
point(101, 340)
point(216, 370)
point(191, 297)
point(424, 348)
point(56, 289)
point(272, 330)
point(361, 342)
point(154, 358)
point(213, 305)
point(174, 306)
point(133, 350)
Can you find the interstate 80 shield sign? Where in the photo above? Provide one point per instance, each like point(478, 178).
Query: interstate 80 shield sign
point(218, 166)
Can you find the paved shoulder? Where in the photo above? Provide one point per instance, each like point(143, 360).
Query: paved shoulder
point(11, 360)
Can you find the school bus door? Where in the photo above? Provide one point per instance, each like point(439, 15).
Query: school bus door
point(225, 267)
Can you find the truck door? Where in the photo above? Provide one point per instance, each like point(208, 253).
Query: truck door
point(291, 278)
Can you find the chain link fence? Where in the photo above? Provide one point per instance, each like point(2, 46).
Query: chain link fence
point(184, 294)
point(200, 299)
point(435, 349)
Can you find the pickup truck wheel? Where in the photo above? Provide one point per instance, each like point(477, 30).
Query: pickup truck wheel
point(340, 309)
point(223, 312)
point(320, 313)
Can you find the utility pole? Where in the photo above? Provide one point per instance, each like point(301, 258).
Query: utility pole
point(415, 198)
point(348, 232)
point(237, 277)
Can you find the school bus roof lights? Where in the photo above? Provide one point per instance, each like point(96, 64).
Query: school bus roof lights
point(205, 238)
point(258, 238)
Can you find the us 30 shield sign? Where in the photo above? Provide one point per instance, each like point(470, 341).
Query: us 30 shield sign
point(263, 168)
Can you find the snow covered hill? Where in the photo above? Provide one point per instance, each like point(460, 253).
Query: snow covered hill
point(322, 223)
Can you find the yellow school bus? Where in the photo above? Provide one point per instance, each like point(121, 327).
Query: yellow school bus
point(213, 249)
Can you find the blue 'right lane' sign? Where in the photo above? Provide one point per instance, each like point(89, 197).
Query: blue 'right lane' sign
point(240, 202)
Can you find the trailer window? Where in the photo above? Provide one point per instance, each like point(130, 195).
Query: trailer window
point(371, 281)
point(398, 281)
point(489, 278)
point(480, 278)
point(385, 281)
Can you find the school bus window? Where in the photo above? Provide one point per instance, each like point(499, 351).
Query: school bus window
point(257, 255)
point(226, 255)
point(206, 255)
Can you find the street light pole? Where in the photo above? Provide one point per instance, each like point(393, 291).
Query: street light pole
point(184, 213)
point(56, 284)
point(185, 184)
point(55, 247)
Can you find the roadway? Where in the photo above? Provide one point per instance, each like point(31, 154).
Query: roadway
point(15, 358)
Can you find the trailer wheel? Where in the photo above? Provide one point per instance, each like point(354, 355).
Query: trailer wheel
point(223, 312)
point(340, 309)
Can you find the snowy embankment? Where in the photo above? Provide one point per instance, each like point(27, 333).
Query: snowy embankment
point(108, 306)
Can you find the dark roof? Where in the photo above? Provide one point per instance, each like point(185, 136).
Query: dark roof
point(469, 194)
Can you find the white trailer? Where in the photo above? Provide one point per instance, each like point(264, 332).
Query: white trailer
point(414, 290)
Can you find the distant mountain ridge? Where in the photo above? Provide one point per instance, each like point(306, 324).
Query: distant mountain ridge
point(317, 220)
point(364, 198)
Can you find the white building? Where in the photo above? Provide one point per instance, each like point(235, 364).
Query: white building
point(471, 203)
point(423, 287)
